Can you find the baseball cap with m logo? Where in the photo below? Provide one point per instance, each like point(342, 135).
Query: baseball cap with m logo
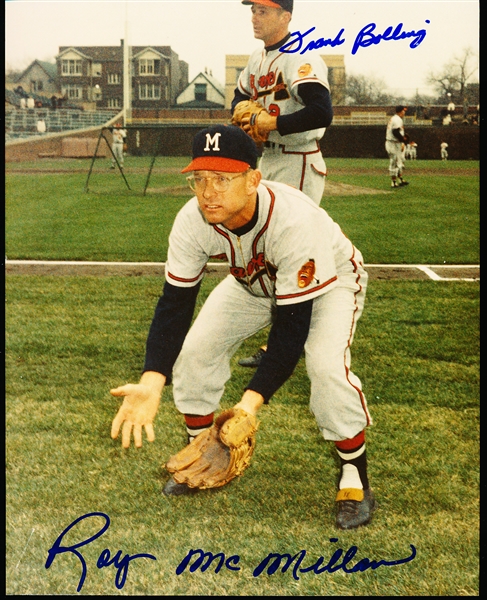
point(284, 4)
point(224, 148)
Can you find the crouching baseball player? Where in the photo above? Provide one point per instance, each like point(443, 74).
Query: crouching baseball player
point(290, 268)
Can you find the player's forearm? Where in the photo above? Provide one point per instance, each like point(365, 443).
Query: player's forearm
point(251, 402)
point(155, 381)
point(285, 346)
point(171, 322)
point(398, 135)
point(317, 112)
point(238, 97)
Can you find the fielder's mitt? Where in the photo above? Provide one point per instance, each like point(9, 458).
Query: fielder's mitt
point(249, 109)
point(217, 455)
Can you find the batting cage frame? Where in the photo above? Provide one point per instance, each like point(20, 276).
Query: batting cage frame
point(128, 128)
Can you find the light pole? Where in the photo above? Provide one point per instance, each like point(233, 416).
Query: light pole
point(127, 75)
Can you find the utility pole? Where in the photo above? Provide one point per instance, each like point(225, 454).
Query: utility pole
point(127, 74)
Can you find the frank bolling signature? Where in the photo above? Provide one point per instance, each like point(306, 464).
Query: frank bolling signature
point(366, 37)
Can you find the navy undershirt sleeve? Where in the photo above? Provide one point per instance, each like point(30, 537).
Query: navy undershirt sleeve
point(397, 134)
point(170, 324)
point(317, 111)
point(238, 97)
point(284, 348)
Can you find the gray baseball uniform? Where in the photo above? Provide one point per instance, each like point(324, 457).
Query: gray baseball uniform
point(394, 146)
point(272, 77)
point(289, 256)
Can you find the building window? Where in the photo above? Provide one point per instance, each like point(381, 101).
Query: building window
point(149, 91)
point(114, 78)
point(114, 103)
point(73, 92)
point(200, 91)
point(238, 70)
point(36, 86)
point(96, 69)
point(149, 66)
point(71, 67)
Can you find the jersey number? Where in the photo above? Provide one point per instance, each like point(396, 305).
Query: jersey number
point(273, 110)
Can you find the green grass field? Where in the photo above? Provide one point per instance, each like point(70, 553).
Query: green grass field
point(70, 339)
point(49, 216)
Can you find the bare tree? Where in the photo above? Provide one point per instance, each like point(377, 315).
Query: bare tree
point(455, 77)
point(12, 74)
point(364, 90)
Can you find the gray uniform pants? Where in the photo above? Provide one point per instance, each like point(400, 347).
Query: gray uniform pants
point(231, 314)
point(303, 168)
point(396, 160)
point(117, 148)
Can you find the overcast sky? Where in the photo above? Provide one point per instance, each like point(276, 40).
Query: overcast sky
point(202, 32)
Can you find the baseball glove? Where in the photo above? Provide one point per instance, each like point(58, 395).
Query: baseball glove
point(249, 109)
point(217, 455)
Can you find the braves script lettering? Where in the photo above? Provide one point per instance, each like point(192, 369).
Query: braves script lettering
point(366, 37)
point(105, 559)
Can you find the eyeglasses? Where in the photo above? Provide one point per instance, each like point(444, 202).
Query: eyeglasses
point(220, 183)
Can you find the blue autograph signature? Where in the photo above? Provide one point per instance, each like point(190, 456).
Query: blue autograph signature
point(273, 561)
point(104, 560)
point(287, 48)
point(365, 37)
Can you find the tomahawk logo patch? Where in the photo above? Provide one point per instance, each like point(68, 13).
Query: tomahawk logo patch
point(305, 70)
point(306, 273)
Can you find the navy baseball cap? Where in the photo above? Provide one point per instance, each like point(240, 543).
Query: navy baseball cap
point(284, 4)
point(224, 148)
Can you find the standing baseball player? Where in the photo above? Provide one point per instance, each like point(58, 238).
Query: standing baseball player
point(286, 255)
point(395, 138)
point(444, 151)
point(118, 139)
point(295, 94)
point(413, 150)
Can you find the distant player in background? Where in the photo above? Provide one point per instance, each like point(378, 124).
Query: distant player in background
point(413, 150)
point(295, 92)
point(395, 138)
point(119, 136)
point(444, 151)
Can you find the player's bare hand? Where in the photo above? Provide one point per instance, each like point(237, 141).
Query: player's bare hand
point(138, 410)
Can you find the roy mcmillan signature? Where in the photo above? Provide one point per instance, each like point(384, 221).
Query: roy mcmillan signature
point(365, 37)
point(199, 560)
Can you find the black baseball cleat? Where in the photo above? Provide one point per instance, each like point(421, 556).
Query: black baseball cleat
point(252, 361)
point(172, 488)
point(404, 183)
point(355, 508)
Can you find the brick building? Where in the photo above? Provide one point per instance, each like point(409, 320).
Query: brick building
point(93, 76)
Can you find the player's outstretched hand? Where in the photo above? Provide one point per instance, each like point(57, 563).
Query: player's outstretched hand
point(138, 410)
